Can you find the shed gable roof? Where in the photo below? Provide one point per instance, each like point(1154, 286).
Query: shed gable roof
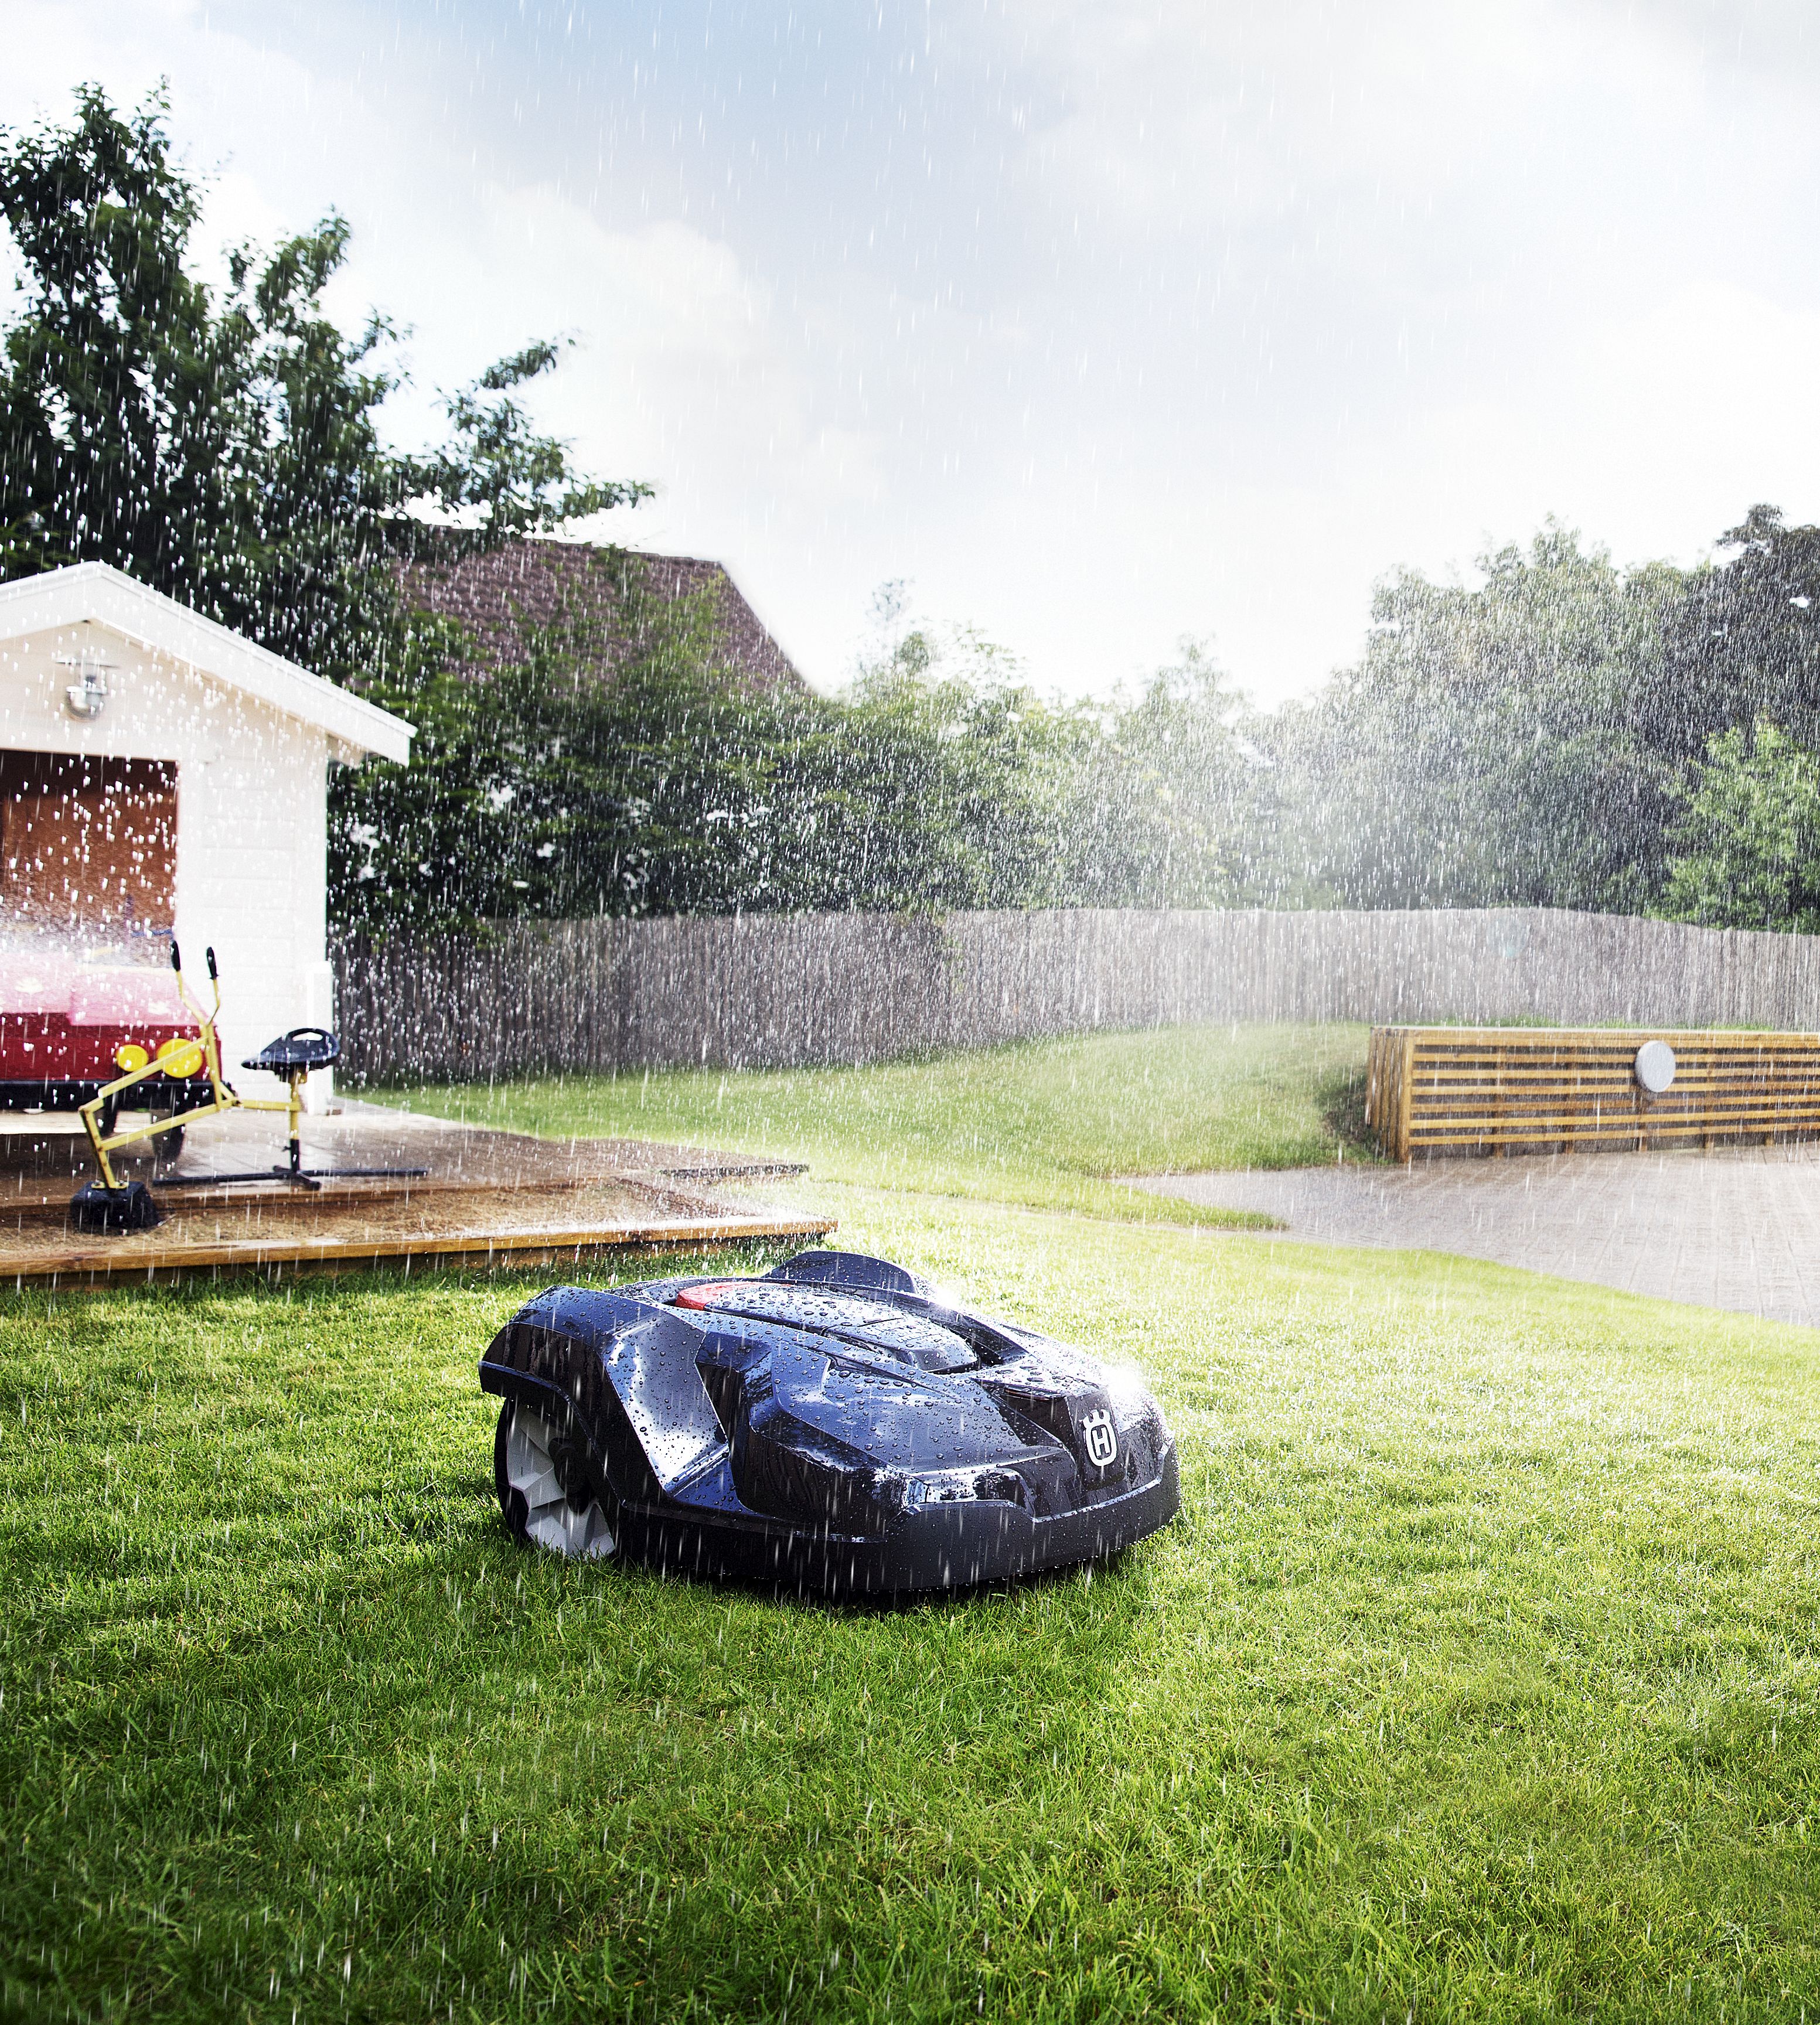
point(98, 594)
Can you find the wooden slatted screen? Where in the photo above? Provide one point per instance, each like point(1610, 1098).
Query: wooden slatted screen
point(1489, 1089)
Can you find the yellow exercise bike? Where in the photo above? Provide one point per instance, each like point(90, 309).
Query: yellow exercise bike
point(110, 1204)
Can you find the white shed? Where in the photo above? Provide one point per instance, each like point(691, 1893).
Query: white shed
point(159, 774)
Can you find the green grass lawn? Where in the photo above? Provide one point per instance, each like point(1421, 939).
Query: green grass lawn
point(1478, 1679)
point(1047, 1123)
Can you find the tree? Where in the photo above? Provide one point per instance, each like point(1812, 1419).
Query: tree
point(224, 449)
point(1745, 851)
point(541, 790)
point(1497, 745)
point(1744, 643)
point(1173, 803)
point(952, 778)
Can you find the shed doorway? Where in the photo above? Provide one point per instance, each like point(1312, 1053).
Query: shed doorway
point(88, 846)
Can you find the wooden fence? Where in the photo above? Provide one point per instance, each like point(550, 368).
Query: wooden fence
point(776, 991)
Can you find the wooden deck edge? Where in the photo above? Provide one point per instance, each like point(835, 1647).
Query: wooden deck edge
point(504, 1250)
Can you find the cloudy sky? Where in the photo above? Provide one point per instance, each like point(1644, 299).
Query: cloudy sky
point(1103, 322)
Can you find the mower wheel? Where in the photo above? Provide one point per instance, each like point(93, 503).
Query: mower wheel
point(540, 1475)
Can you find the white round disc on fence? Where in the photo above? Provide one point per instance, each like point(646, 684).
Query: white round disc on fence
point(1655, 1066)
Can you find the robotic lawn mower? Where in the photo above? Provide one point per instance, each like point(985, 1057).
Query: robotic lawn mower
point(833, 1426)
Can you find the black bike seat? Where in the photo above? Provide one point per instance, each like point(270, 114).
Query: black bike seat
point(302, 1048)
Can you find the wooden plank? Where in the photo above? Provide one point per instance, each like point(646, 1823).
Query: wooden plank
point(507, 1249)
point(1405, 1092)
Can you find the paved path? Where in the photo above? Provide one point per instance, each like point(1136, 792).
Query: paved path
point(1737, 1229)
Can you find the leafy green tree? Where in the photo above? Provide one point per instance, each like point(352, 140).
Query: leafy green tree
point(543, 790)
point(224, 446)
point(1744, 642)
point(1745, 850)
point(1496, 744)
point(1173, 802)
point(971, 776)
point(1532, 739)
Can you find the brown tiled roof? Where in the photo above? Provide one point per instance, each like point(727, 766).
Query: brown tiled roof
point(502, 597)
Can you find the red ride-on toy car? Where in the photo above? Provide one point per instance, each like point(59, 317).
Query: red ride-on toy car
point(67, 1027)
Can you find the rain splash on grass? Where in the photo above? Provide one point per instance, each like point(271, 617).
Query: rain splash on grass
point(1478, 1678)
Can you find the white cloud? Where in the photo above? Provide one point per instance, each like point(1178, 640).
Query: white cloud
point(1103, 321)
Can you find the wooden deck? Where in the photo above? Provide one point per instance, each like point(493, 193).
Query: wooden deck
point(172, 1252)
point(1500, 1090)
point(489, 1200)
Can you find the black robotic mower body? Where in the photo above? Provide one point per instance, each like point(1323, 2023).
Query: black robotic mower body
point(833, 1426)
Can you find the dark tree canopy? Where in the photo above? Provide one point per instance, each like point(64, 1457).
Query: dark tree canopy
point(675, 788)
point(225, 447)
point(1743, 644)
point(1561, 732)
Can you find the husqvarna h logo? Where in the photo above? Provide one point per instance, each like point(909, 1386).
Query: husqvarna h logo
point(1101, 1438)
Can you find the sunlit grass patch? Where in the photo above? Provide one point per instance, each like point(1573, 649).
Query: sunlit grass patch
point(1478, 1678)
point(1050, 1124)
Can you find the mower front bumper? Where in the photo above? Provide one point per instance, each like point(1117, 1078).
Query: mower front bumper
point(946, 1546)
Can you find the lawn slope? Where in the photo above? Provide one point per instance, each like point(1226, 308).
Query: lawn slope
point(1046, 1123)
